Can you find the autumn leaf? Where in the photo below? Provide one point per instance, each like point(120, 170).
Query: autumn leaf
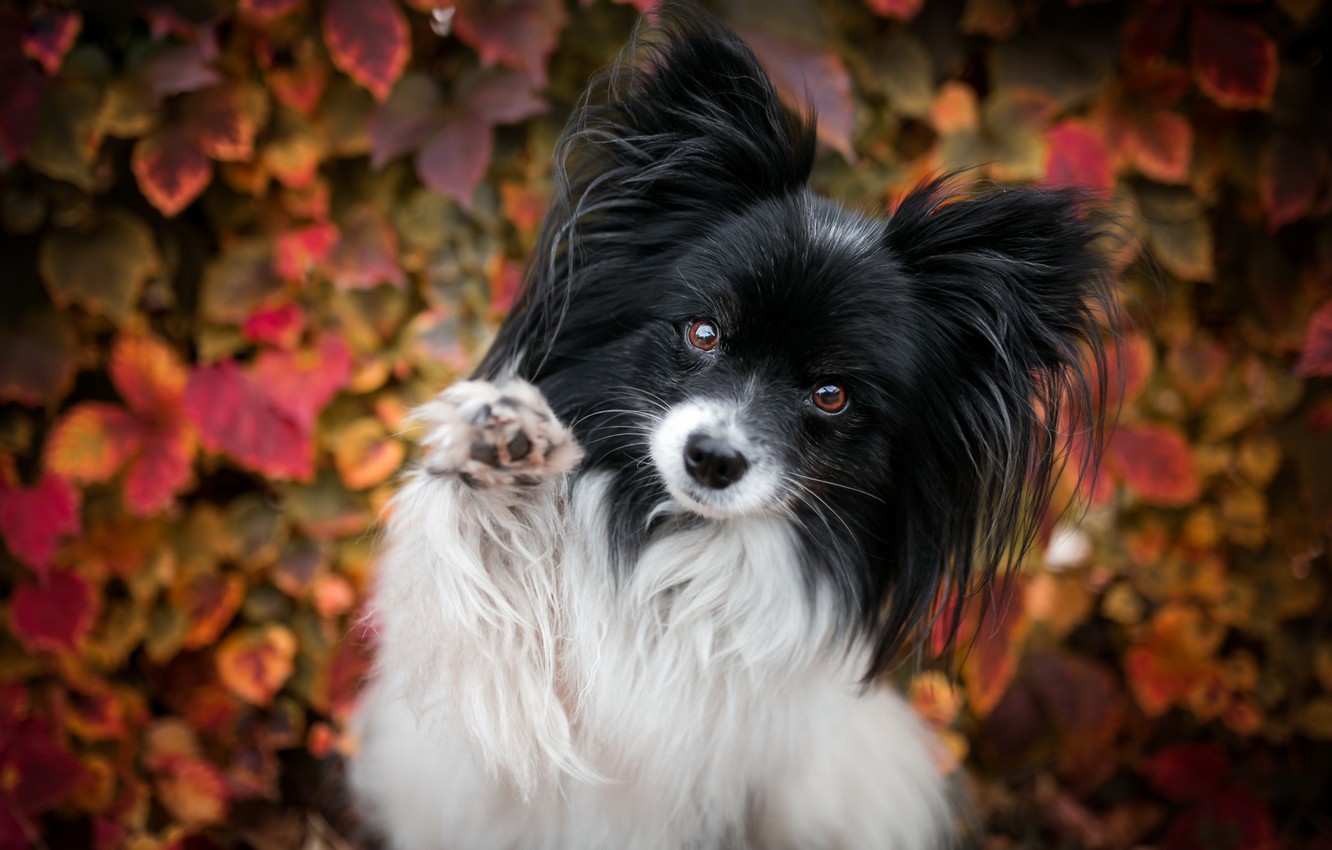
point(453, 142)
point(368, 41)
point(263, 417)
point(1155, 462)
point(1291, 174)
point(280, 326)
point(264, 11)
point(1159, 144)
point(56, 613)
point(38, 358)
point(365, 455)
point(1187, 771)
point(297, 253)
point(814, 72)
point(19, 96)
point(49, 37)
point(364, 255)
point(255, 662)
point(103, 266)
point(1234, 60)
point(34, 520)
point(519, 33)
point(94, 440)
point(194, 791)
point(1077, 158)
point(1316, 358)
point(902, 10)
point(39, 772)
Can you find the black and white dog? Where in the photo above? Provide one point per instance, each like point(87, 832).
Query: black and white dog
point(726, 454)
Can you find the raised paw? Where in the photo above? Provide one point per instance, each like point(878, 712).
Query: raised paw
point(496, 435)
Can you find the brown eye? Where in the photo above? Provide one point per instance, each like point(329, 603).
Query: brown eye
point(703, 334)
point(830, 397)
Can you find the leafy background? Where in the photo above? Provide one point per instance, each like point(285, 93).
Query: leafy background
point(241, 239)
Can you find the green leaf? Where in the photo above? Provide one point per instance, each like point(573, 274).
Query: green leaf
point(101, 267)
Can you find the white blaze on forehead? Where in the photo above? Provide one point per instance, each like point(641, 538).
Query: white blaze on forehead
point(758, 491)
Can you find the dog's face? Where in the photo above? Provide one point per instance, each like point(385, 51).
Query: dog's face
point(725, 343)
point(772, 374)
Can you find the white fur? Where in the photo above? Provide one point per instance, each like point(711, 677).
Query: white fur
point(526, 699)
point(758, 491)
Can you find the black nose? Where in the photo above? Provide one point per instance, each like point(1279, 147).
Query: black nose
point(712, 462)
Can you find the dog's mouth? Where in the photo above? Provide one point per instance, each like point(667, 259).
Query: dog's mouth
point(710, 466)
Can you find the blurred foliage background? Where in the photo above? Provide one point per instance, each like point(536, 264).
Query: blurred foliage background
point(240, 239)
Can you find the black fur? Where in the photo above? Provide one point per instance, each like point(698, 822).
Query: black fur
point(962, 326)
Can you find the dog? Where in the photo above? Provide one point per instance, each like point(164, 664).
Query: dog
point(724, 458)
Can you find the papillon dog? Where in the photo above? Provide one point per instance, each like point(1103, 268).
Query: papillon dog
point(724, 458)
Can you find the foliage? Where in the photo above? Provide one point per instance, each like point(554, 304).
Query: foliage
point(240, 244)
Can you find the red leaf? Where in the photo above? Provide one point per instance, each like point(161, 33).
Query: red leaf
point(454, 161)
point(221, 128)
point(497, 98)
point(366, 254)
point(814, 72)
point(263, 418)
point(303, 382)
point(235, 416)
point(1234, 61)
point(161, 470)
point(1291, 173)
point(171, 168)
point(180, 69)
point(297, 83)
point(1155, 462)
point(1077, 158)
point(280, 326)
point(902, 10)
point(263, 11)
point(297, 253)
point(400, 124)
point(20, 94)
point(1149, 34)
point(1316, 359)
point(519, 33)
point(1160, 145)
point(54, 614)
point(506, 279)
point(367, 40)
point(39, 773)
point(1187, 771)
point(34, 520)
point(1235, 819)
point(50, 36)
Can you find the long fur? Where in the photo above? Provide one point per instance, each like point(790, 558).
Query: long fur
point(619, 656)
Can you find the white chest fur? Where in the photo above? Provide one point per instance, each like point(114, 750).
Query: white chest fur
point(526, 699)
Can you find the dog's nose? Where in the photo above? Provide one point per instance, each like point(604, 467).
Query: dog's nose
point(712, 462)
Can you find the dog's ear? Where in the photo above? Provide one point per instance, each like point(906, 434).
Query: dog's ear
point(1014, 303)
point(684, 129)
point(686, 120)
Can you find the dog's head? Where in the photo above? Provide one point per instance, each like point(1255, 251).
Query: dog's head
point(728, 343)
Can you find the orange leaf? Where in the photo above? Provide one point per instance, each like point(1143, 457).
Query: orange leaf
point(92, 441)
point(254, 664)
point(365, 455)
point(219, 125)
point(171, 168)
point(210, 601)
point(195, 792)
point(149, 375)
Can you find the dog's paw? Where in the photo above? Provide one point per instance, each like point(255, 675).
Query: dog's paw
point(496, 435)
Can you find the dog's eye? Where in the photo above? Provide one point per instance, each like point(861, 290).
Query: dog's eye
point(703, 334)
point(829, 396)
